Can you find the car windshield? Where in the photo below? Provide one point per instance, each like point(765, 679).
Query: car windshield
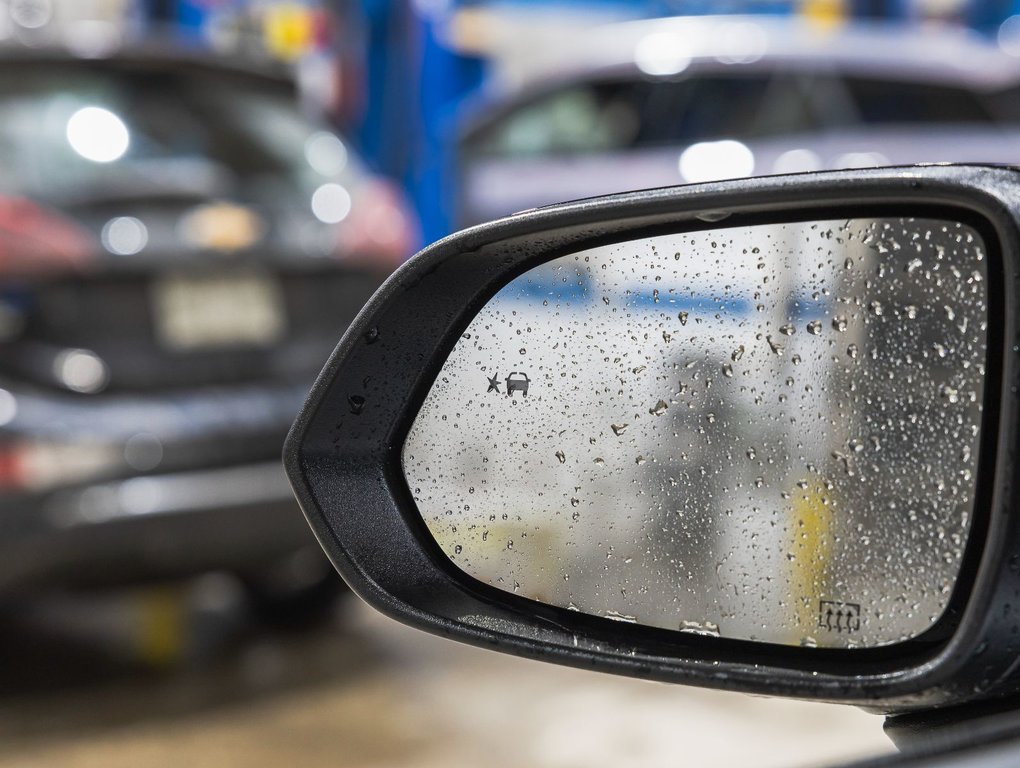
point(70, 132)
point(626, 114)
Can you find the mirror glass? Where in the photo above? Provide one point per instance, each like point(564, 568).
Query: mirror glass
point(767, 433)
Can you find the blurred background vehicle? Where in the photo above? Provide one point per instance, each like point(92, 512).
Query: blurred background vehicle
point(180, 250)
point(668, 101)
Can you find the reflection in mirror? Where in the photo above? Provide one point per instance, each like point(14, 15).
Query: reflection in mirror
point(765, 433)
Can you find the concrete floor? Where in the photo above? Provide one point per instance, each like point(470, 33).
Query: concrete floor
point(362, 691)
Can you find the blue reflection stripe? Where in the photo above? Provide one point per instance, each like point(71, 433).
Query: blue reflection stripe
point(733, 305)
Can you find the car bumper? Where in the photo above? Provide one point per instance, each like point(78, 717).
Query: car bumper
point(150, 526)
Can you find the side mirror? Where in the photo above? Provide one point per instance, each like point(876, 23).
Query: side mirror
point(756, 435)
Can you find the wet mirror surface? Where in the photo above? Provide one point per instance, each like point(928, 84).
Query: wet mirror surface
point(766, 433)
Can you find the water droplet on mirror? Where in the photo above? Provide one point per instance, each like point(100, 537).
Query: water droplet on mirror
point(876, 308)
point(682, 317)
point(775, 346)
point(523, 351)
point(839, 324)
point(659, 408)
point(357, 404)
point(751, 454)
point(707, 628)
point(575, 502)
point(619, 429)
point(911, 311)
point(737, 353)
point(561, 456)
point(620, 617)
point(727, 370)
point(814, 327)
point(787, 330)
point(852, 351)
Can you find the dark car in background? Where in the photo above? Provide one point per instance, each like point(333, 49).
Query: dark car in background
point(180, 247)
point(658, 102)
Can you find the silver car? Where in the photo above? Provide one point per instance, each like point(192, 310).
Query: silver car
point(665, 101)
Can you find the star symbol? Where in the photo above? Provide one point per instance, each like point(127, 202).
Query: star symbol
point(493, 384)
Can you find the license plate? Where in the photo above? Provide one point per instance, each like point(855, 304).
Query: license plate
point(218, 311)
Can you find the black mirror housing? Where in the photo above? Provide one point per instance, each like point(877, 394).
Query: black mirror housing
point(343, 453)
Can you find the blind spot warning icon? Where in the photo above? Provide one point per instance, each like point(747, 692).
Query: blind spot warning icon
point(518, 384)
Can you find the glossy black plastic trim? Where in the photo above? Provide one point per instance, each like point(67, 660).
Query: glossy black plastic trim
point(343, 454)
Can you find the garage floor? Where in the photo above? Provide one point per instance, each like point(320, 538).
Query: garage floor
point(182, 677)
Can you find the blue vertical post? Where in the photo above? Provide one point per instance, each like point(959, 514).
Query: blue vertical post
point(445, 78)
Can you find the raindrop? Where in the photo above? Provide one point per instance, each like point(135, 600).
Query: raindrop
point(619, 429)
point(737, 353)
point(774, 345)
point(949, 393)
point(659, 408)
point(852, 351)
point(727, 370)
point(814, 327)
point(876, 308)
point(561, 456)
point(787, 330)
point(839, 324)
point(682, 317)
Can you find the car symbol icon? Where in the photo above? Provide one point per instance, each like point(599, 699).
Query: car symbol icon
point(519, 384)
